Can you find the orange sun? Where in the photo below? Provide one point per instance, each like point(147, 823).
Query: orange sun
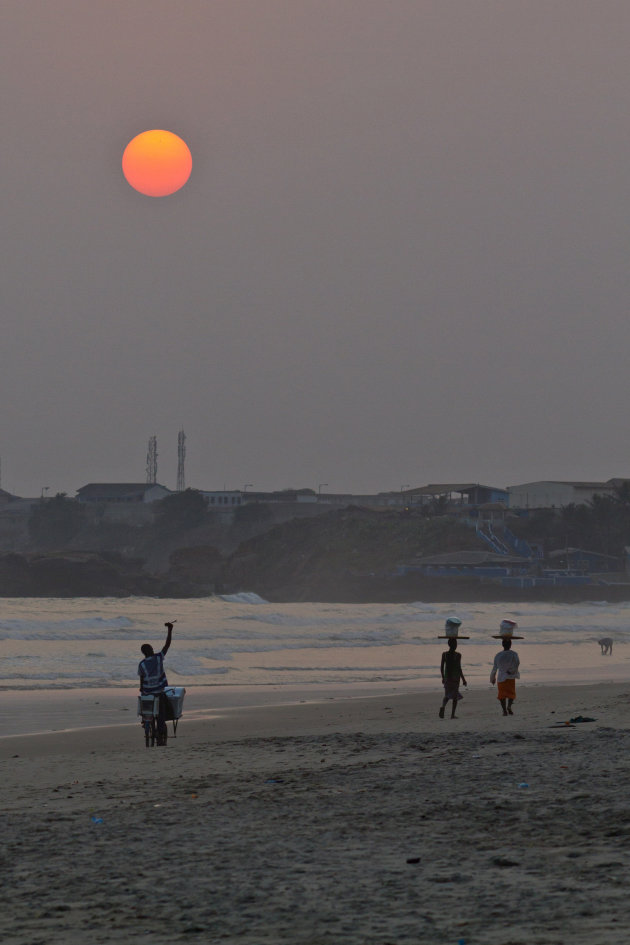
point(157, 163)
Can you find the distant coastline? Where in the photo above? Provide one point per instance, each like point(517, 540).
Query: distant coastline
point(351, 555)
point(90, 574)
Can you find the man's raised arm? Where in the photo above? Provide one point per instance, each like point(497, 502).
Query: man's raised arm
point(169, 636)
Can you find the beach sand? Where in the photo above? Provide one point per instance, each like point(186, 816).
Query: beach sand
point(362, 820)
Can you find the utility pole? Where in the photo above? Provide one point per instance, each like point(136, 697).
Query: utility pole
point(181, 459)
point(152, 455)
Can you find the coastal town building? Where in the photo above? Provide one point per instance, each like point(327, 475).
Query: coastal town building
point(549, 494)
point(108, 493)
point(460, 494)
point(463, 493)
point(470, 498)
point(223, 498)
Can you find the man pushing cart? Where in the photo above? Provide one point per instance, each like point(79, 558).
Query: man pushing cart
point(154, 689)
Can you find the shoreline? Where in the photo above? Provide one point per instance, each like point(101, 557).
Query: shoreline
point(478, 711)
point(24, 711)
point(43, 711)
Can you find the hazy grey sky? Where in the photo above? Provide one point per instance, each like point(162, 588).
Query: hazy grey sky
point(402, 255)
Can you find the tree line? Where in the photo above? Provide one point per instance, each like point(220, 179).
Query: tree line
point(601, 525)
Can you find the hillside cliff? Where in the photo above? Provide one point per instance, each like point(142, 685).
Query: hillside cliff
point(343, 555)
point(340, 555)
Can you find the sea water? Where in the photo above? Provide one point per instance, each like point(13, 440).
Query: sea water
point(242, 640)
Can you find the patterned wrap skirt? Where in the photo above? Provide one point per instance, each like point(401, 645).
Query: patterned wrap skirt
point(507, 689)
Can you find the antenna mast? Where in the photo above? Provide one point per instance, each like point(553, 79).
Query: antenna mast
point(181, 459)
point(152, 456)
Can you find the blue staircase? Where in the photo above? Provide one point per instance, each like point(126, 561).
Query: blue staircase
point(519, 546)
point(491, 539)
point(508, 544)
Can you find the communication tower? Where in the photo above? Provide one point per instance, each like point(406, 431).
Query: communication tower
point(181, 459)
point(152, 456)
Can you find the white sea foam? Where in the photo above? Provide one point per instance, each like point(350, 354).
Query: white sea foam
point(243, 639)
point(77, 628)
point(245, 597)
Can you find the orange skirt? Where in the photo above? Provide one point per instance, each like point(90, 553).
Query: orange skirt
point(507, 689)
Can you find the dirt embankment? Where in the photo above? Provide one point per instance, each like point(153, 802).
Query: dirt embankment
point(80, 574)
point(351, 555)
point(344, 555)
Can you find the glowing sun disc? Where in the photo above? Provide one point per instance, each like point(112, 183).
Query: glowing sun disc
point(157, 163)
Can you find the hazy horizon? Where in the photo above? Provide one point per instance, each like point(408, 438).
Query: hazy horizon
point(48, 493)
point(401, 257)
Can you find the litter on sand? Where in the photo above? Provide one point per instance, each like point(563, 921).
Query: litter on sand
point(571, 723)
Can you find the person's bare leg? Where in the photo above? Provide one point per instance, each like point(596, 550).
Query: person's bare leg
point(503, 706)
point(443, 706)
point(509, 706)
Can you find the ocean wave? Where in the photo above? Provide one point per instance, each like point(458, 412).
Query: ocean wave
point(244, 597)
point(227, 650)
point(75, 629)
point(345, 669)
point(79, 643)
point(81, 675)
point(277, 618)
point(571, 612)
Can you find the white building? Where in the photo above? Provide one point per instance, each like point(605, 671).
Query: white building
point(549, 494)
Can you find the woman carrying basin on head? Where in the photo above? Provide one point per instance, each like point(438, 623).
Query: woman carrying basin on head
point(451, 666)
point(505, 667)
